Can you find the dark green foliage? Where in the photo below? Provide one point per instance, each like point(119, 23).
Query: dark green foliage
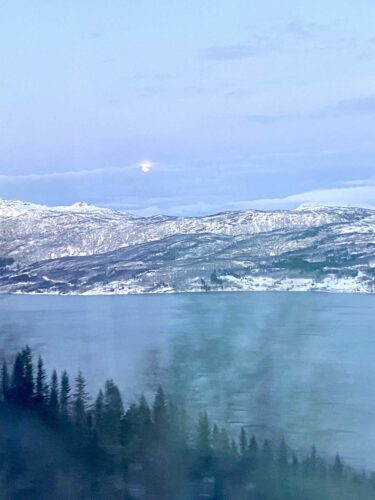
point(99, 410)
point(159, 413)
point(64, 397)
point(28, 374)
point(41, 389)
point(53, 400)
point(338, 467)
point(5, 382)
point(243, 442)
point(109, 412)
point(21, 389)
point(80, 400)
point(54, 446)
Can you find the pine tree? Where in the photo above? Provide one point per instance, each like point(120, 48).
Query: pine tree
point(112, 412)
point(159, 408)
point(215, 437)
point(65, 397)
point(4, 382)
point(243, 442)
point(338, 467)
point(99, 409)
point(130, 425)
point(253, 452)
point(41, 389)
point(53, 401)
point(160, 414)
point(112, 400)
point(80, 399)
point(144, 422)
point(28, 376)
point(144, 412)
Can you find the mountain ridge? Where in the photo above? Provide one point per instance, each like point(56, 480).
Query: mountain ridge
point(87, 249)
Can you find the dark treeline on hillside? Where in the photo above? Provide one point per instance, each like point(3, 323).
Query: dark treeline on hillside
point(56, 443)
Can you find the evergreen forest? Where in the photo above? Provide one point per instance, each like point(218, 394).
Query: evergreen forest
point(58, 443)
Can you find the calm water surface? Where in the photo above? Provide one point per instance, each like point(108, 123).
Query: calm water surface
point(302, 364)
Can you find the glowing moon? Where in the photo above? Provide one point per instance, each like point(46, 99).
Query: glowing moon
point(145, 166)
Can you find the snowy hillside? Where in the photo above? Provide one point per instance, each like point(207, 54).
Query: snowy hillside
point(85, 249)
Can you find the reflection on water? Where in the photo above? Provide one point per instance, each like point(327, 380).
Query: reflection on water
point(295, 363)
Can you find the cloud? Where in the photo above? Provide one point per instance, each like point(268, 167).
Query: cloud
point(4, 178)
point(359, 193)
point(300, 29)
point(345, 107)
point(269, 119)
point(354, 106)
point(282, 41)
point(68, 174)
point(231, 52)
point(293, 38)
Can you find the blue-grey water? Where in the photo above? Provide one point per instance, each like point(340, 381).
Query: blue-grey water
point(299, 364)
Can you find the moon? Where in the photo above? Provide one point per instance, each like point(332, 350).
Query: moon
point(145, 166)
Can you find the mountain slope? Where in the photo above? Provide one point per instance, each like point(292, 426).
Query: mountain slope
point(85, 249)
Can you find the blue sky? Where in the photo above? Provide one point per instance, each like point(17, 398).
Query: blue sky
point(235, 103)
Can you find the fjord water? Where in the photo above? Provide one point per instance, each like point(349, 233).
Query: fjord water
point(295, 364)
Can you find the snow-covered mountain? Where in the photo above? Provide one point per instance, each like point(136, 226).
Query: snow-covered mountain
point(85, 249)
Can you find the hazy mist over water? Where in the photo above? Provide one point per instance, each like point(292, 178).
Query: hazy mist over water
point(293, 364)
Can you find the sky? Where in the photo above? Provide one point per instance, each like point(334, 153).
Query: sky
point(188, 107)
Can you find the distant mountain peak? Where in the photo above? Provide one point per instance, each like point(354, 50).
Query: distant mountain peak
point(315, 206)
point(313, 247)
point(82, 204)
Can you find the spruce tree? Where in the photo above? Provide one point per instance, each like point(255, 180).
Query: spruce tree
point(159, 408)
point(98, 410)
point(112, 414)
point(144, 413)
point(5, 383)
point(243, 442)
point(28, 376)
point(160, 414)
point(338, 467)
point(53, 401)
point(144, 422)
point(130, 425)
point(80, 399)
point(41, 386)
point(253, 452)
point(65, 397)
point(215, 438)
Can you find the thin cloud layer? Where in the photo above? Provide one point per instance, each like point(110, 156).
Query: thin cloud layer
point(355, 105)
point(359, 193)
point(231, 52)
